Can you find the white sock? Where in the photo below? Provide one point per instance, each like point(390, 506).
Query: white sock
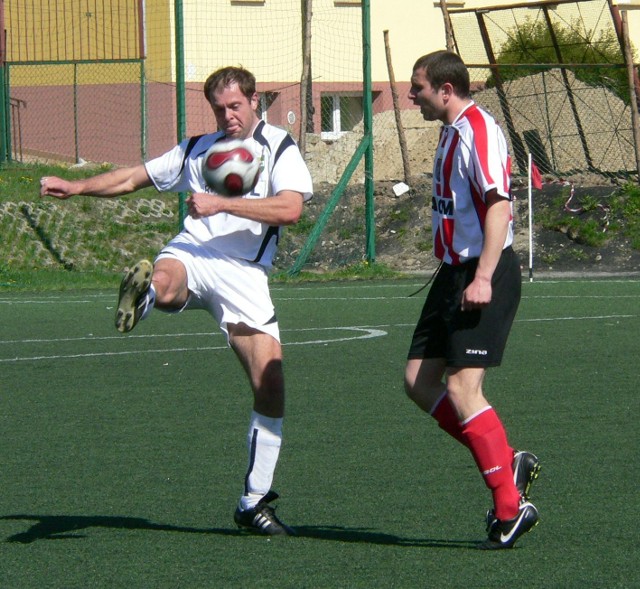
point(263, 441)
point(148, 302)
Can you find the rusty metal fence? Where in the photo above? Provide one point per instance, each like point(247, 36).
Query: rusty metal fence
point(556, 77)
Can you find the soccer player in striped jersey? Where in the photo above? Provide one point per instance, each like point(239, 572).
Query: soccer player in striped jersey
point(467, 316)
point(220, 262)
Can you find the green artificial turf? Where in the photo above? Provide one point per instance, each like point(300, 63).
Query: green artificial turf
point(123, 456)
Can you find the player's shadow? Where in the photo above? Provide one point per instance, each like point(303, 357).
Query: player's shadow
point(367, 536)
point(70, 527)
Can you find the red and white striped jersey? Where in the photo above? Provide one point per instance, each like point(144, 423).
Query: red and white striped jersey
point(471, 159)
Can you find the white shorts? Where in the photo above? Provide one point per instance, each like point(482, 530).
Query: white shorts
point(232, 290)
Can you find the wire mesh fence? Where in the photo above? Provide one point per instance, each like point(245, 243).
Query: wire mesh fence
point(555, 77)
point(101, 236)
point(95, 81)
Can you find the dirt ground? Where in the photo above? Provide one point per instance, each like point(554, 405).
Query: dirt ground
point(402, 223)
point(403, 239)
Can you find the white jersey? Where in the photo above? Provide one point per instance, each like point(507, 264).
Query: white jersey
point(283, 168)
point(471, 159)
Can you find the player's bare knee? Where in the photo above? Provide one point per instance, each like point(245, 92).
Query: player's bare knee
point(171, 290)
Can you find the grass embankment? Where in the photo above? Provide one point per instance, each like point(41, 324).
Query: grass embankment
point(84, 243)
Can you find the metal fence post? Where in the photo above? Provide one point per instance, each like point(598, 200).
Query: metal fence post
point(180, 95)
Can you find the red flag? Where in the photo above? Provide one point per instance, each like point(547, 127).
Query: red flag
point(536, 178)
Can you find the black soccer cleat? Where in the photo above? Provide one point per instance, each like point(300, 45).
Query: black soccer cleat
point(262, 519)
point(134, 285)
point(504, 533)
point(526, 468)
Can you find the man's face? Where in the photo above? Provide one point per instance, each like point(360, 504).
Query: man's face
point(234, 112)
point(422, 94)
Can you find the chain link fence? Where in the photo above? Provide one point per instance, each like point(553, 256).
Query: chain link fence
point(554, 75)
point(78, 112)
point(96, 235)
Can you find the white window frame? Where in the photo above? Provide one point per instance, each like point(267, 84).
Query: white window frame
point(263, 107)
point(335, 120)
point(265, 100)
point(336, 115)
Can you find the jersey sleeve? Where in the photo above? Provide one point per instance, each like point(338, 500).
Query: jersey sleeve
point(290, 171)
point(166, 171)
point(492, 163)
point(489, 155)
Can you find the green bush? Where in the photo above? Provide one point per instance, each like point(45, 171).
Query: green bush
point(531, 43)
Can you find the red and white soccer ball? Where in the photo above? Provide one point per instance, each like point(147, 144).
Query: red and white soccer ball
point(230, 168)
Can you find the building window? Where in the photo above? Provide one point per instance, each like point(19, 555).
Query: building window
point(340, 113)
point(265, 100)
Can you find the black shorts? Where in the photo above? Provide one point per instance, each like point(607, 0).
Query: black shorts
point(468, 338)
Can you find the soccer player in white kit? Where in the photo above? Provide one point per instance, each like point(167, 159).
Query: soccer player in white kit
point(220, 262)
point(468, 313)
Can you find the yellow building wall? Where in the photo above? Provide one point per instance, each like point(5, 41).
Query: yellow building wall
point(263, 37)
point(67, 32)
point(160, 40)
point(416, 27)
point(269, 44)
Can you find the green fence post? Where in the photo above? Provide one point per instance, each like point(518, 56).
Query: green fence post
point(365, 149)
point(368, 132)
point(5, 136)
point(180, 95)
point(335, 197)
point(143, 111)
point(76, 124)
point(5, 133)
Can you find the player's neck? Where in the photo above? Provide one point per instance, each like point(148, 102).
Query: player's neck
point(256, 122)
point(455, 108)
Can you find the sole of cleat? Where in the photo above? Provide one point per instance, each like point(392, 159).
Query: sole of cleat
point(135, 283)
point(533, 470)
point(534, 475)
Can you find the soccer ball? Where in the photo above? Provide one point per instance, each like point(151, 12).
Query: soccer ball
point(230, 168)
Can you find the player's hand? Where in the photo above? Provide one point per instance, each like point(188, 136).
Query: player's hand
point(56, 187)
point(477, 295)
point(201, 204)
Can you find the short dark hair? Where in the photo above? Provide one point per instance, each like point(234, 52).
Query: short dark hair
point(445, 66)
point(224, 77)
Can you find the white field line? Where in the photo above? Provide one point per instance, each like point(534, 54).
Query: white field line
point(365, 332)
point(85, 301)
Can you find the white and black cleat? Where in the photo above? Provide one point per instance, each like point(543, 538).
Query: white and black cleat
point(504, 533)
point(262, 519)
point(131, 299)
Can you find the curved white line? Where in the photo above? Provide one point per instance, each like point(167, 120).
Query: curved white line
point(366, 333)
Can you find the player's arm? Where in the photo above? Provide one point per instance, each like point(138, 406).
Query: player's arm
point(478, 293)
point(113, 183)
point(285, 208)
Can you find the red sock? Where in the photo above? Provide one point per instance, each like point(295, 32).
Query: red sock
point(447, 418)
point(487, 440)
